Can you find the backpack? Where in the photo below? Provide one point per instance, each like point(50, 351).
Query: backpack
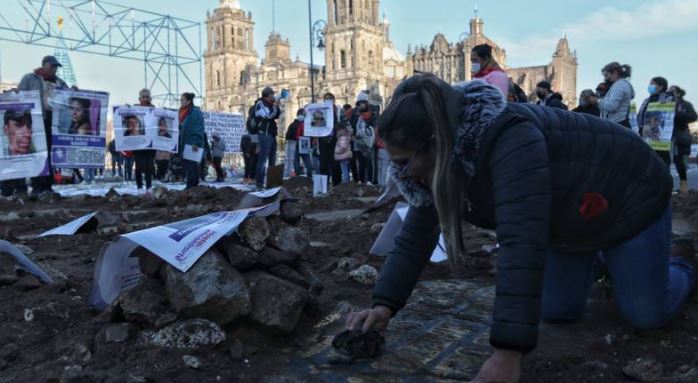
point(252, 122)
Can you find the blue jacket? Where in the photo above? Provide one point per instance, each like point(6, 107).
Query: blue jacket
point(191, 130)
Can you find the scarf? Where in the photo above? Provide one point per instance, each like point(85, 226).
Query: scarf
point(184, 112)
point(41, 73)
point(483, 104)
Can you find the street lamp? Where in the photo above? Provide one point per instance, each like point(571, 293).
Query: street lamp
point(317, 31)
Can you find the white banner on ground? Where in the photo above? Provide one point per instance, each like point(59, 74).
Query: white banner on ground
point(79, 128)
point(319, 185)
point(23, 149)
point(145, 128)
point(23, 261)
point(229, 126)
point(115, 271)
point(319, 120)
point(385, 243)
point(74, 226)
point(182, 243)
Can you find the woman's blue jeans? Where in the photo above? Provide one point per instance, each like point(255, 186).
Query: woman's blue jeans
point(649, 286)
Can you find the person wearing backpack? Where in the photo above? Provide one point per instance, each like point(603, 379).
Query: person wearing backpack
point(365, 138)
point(263, 123)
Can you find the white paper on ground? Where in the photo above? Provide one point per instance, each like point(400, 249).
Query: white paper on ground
point(191, 155)
point(385, 242)
point(24, 262)
point(266, 193)
point(70, 228)
point(115, 271)
point(182, 243)
point(319, 185)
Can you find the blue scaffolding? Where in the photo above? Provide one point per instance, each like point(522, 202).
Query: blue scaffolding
point(169, 47)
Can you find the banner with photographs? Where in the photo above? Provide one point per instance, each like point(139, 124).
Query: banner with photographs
point(229, 127)
point(23, 146)
point(319, 120)
point(658, 125)
point(632, 117)
point(79, 128)
point(145, 128)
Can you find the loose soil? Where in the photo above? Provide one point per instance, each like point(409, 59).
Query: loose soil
point(62, 329)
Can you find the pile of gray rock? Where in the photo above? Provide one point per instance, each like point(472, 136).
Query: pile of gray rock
point(257, 274)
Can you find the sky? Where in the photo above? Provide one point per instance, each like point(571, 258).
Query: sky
point(656, 37)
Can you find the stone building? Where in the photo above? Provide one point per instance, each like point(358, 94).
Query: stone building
point(451, 62)
point(358, 55)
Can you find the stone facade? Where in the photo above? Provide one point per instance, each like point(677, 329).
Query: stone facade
point(358, 55)
point(451, 62)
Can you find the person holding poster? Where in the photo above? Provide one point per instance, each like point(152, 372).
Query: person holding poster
point(685, 115)
point(191, 138)
point(558, 187)
point(45, 81)
point(144, 158)
point(652, 120)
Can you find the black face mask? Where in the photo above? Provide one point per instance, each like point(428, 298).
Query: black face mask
point(541, 95)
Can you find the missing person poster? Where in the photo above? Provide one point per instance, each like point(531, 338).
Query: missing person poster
point(319, 120)
point(658, 125)
point(228, 126)
point(145, 128)
point(23, 149)
point(79, 128)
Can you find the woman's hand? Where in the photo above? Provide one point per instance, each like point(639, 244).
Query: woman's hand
point(376, 318)
point(504, 366)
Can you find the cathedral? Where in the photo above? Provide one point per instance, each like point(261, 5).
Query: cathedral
point(359, 55)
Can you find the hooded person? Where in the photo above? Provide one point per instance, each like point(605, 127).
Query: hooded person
point(558, 187)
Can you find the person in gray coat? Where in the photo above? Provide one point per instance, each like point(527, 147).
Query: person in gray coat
point(615, 105)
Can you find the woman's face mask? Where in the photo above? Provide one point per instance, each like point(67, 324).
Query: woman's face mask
point(652, 89)
point(300, 117)
point(475, 67)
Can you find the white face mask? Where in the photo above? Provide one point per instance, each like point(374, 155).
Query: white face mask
point(476, 67)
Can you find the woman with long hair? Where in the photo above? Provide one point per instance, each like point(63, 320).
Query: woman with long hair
point(558, 187)
point(80, 116)
point(615, 105)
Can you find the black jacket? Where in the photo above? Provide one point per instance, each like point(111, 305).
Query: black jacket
point(554, 101)
point(685, 114)
point(592, 109)
point(535, 168)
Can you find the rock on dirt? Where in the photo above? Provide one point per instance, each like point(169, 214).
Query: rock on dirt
point(276, 304)
point(191, 362)
point(211, 289)
point(289, 274)
point(291, 211)
point(366, 274)
point(270, 257)
point(117, 332)
point(290, 239)
point(643, 370)
point(150, 264)
point(255, 232)
point(145, 303)
point(239, 256)
point(191, 334)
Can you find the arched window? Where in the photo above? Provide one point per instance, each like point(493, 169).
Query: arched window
point(351, 7)
point(342, 59)
point(370, 59)
point(218, 78)
point(335, 11)
point(232, 34)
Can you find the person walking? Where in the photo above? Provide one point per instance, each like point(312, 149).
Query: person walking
point(615, 105)
point(144, 158)
point(191, 133)
point(547, 97)
point(586, 105)
point(217, 154)
point(266, 113)
point(292, 162)
point(45, 81)
point(342, 152)
point(536, 176)
point(486, 68)
point(682, 138)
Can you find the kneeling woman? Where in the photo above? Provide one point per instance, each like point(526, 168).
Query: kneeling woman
point(558, 187)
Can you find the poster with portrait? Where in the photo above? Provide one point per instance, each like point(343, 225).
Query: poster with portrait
point(658, 125)
point(230, 128)
point(319, 120)
point(304, 145)
point(632, 117)
point(145, 128)
point(78, 128)
point(23, 149)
